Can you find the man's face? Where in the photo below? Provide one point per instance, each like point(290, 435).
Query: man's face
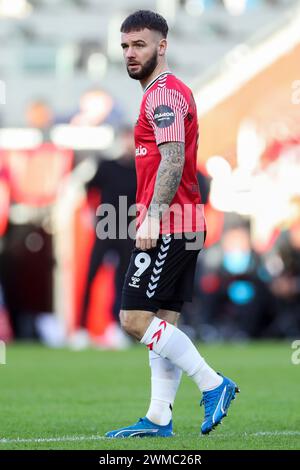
point(141, 50)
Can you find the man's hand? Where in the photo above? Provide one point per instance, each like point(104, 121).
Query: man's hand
point(148, 233)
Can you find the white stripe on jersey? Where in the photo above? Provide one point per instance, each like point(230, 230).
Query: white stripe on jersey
point(163, 74)
point(177, 102)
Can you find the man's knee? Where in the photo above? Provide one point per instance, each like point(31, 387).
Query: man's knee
point(135, 322)
point(169, 316)
point(125, 321)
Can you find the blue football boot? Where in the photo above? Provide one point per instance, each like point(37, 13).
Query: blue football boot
point(216, 403)
point(143, 428)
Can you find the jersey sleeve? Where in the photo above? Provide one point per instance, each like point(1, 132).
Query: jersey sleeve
point(166, 110)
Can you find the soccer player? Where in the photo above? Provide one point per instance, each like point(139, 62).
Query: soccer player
point(161, 270)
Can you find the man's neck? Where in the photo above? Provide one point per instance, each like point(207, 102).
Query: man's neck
point(159, 69)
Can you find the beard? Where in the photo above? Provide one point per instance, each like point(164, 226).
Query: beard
point(145, 70)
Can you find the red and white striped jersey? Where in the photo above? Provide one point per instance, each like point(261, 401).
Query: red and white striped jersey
point(168, 114)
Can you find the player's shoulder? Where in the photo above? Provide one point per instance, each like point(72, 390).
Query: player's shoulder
point(167, 85)
point(174, 83)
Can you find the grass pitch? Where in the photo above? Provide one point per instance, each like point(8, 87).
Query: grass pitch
point(58, 399)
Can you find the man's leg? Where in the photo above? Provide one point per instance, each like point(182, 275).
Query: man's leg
point(165, 380)
point(167, 272)
point(146, 427)
point(170, 343)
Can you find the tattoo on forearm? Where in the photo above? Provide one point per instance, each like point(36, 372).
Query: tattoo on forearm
point(168, 176)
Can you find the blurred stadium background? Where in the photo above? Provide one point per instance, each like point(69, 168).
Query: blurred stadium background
point(65, 99)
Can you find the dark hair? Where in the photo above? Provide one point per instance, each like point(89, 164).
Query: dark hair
point(145, 19)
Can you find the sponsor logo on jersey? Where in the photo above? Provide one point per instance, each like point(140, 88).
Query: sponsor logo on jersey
point(164, 116)
point(141, 151)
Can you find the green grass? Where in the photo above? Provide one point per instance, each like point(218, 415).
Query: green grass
point(58, 394)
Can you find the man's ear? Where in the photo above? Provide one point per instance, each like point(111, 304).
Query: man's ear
point(162, 47)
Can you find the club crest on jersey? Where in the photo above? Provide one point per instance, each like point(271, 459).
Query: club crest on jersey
point(164, 116)
point(141, 151)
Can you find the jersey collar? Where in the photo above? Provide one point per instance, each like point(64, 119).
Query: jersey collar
point(167, 72)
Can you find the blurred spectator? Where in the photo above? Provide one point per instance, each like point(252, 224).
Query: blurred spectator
point(26, 265)
point(235, 299)
point(6, 333)
point(286, 284)
point(39, 115)
point(96, 108)
point(113, 178)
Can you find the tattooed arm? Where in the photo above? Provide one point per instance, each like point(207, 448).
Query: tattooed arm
point(168, 176)
point(167, 181)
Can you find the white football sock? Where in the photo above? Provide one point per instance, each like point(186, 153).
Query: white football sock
point(171, 343)
point(165, 380)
